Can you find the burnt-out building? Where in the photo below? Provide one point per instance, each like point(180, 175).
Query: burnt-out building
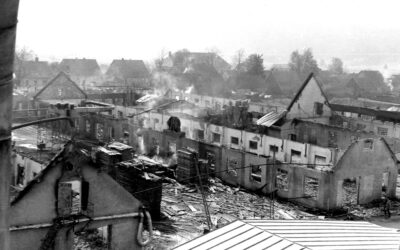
point(70, 195)
point(314, 176)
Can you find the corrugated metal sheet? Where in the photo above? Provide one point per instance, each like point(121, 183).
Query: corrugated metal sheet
point(239, 235)
point(269, 119)
point(297, 234)
point(327, 235)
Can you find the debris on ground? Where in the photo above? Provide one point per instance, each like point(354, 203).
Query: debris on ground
point(184, 217)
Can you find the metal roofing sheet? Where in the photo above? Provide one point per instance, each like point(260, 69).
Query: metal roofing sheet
point(239, 235)
point(297, 234)
point(270, 118)
point(327, 235)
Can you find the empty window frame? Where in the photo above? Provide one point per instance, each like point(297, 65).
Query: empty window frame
point(311, 186)
point(332, 139)
point(272, 149)
point(253, 145)
point(255, 174)
point(216, 137)
point(319, 159)
point(76, 124)
point(382, 131)
point(234, 140)
point(360, 126)
point(200, 134)
point(232, 166)
point(87, 126)
point(282, 180)
point(295, 156)
point(99, 131)
point(318, 108)
point(368, 144)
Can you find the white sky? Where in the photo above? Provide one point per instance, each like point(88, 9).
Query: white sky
point(140, 29)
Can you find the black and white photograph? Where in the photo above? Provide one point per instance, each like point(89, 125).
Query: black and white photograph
point(199, 125)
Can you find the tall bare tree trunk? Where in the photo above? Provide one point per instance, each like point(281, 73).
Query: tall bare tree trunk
point(8, 25)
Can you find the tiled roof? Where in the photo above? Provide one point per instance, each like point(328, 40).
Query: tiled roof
point(80, 67)
point(125, 69)
point(36, 69)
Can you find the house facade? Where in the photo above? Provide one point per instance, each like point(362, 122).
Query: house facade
point(70, 195)
point(61, 89)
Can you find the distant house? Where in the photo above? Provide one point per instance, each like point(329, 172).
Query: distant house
point(33, 75)
point(354, 87)
point(82, 71)
point(181, 59)
point(131, 72)
point(287, 80)
point(395, 81)
point(204, 77)
point(61, 89)
point(371, 81)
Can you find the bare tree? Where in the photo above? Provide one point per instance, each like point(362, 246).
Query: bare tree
point(238, 60)
point(22, 55)
point(159, 61)
point(336, 66)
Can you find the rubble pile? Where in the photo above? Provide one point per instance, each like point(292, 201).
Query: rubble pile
point(90, 239)
point(183, 209)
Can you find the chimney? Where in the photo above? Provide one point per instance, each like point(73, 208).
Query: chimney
point(36, 59)
point(169, 54)
point(8, 27)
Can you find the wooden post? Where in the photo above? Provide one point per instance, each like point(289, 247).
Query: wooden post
point(8, 26)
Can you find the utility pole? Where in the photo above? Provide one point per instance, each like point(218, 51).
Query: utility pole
point(272, 206)
point(208, 217)
point(8, 27)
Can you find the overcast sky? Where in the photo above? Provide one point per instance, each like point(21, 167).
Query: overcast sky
point(360, 32)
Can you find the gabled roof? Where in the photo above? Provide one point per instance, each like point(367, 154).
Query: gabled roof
point(352, 145)
point(199, 57)
point(36, 69)
point(273, 85)
point(61, 74)
point(240, 235)
point(296, 235)
point(288, 80)
point(125, 69)
point(296, 97)
point(40, 176)
point(80, 67)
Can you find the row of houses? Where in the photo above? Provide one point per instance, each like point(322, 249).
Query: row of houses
point(33, 75)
